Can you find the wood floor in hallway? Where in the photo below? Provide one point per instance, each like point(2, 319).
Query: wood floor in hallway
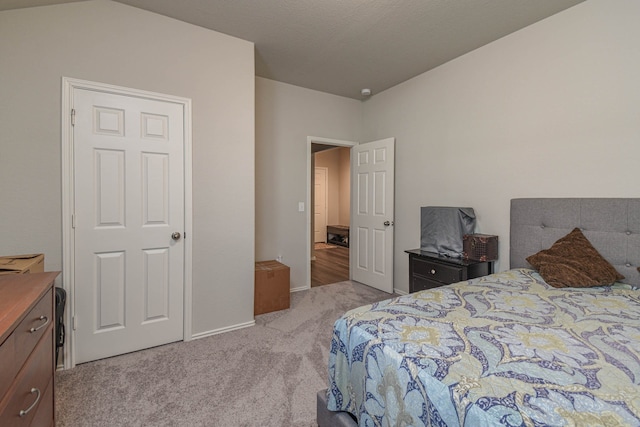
point(330, 266)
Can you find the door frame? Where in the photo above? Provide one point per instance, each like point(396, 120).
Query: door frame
point(310, 170)
point(68, 196)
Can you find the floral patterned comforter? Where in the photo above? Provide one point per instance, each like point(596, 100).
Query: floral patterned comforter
point(505, 349)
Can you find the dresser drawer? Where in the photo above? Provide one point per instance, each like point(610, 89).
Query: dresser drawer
point(42, 417)
point(437, 271)
point(34, 325)
point(37, 374)
point(8, 365)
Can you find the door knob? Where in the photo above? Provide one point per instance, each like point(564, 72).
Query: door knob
point(176, 235)
point(387, 223)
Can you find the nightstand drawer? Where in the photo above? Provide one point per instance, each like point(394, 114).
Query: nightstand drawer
point(421, 283)
point(437, 271)
point(428, 270)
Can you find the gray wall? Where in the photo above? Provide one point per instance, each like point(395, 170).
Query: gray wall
point(285, 116)
point(549, 111)
point(112, 43)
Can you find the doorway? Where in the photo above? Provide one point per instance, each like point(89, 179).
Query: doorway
point(329, 253)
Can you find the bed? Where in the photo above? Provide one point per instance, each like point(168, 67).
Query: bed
point(505, 349)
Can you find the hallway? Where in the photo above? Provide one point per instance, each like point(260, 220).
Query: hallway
point(330, 266)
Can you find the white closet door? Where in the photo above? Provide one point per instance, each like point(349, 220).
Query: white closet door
point(129, 205)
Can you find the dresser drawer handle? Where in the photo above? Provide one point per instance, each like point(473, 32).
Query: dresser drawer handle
point(433, 271)
point(24, 412)
point(46, 322)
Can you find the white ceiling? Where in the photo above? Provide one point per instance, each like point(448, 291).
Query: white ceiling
point(343, 46)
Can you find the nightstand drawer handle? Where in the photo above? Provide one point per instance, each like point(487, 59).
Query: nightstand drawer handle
point(433, 271)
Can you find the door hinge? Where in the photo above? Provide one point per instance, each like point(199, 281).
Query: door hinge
point(73, 221)
point(73, 117)
point(75, 323)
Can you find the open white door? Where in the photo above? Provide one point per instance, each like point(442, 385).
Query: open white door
point(372, 178)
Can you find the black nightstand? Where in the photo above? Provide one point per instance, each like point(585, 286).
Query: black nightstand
point(429, 270)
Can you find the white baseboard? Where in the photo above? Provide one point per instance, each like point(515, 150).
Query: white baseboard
point(400, 292)
point(222, 330)
point(301, 288)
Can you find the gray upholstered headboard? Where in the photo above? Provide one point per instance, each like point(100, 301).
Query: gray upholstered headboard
point(611, 225)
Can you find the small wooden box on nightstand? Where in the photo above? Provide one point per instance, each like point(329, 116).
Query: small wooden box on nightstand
point(271, 291)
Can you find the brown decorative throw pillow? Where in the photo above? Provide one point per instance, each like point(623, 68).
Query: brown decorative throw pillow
point(572, 261)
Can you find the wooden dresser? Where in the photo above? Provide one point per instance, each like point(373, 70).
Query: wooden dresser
point(27, 349)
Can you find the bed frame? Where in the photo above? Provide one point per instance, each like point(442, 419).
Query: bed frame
point(612, 225)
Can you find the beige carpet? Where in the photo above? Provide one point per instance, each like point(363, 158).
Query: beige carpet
point(265, 375)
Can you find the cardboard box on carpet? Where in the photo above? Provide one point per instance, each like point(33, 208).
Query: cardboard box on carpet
point(22, 264)
point(271, 287)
